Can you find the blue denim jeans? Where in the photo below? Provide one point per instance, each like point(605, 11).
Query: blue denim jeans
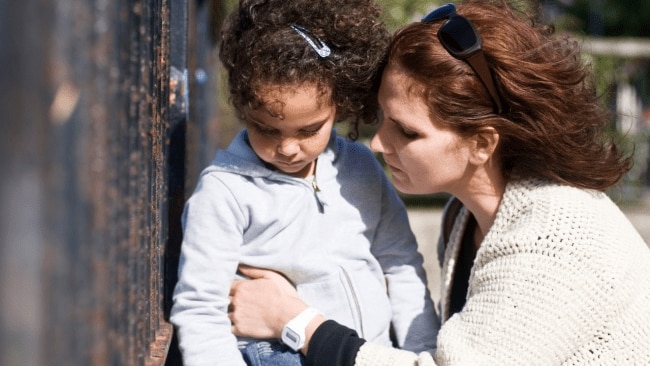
point(273, 353)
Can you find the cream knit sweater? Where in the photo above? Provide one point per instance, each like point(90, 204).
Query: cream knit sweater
point(561, 278)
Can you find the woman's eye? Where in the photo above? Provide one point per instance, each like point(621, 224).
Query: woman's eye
point(400, 128)
point(408, 133)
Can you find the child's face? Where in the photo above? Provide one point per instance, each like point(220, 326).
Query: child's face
point(292, 129)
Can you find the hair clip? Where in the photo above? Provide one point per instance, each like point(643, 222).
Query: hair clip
point(316, 43)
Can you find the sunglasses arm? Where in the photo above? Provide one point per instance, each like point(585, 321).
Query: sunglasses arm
point(478, 62)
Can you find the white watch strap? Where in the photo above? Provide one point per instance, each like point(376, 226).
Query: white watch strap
point(293, 333)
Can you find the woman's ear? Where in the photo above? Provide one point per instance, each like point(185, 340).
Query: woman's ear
point(484, 143)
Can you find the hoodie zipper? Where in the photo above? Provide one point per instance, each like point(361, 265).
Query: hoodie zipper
point(355, 301)
point(311, 184)
point(314, 186)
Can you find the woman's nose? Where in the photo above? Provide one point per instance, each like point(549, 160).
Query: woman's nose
point(376, 143)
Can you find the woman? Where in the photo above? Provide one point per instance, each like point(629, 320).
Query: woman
point(541, 267)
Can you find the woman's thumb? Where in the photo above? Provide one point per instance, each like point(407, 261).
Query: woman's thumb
point(254, 272)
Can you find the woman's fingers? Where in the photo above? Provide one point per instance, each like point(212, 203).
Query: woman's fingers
point(262, 305)
point(255, 272)
point(248, 311)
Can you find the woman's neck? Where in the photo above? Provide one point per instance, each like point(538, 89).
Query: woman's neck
point(482, 197)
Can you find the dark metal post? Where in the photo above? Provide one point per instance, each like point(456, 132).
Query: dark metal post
point(87, 169)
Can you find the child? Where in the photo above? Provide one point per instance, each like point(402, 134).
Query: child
point(291, 196)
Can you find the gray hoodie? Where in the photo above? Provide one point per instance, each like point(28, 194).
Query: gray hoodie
point(344, 242)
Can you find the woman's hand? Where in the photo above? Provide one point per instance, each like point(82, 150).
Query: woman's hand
point(260, 307)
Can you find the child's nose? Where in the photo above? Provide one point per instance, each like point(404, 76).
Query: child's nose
point(288, 146)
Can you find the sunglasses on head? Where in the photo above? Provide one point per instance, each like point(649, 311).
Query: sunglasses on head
point(461, 39)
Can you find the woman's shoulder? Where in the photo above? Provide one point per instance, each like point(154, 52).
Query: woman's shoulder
point(542, 200)
point(545, 218)
point(541, 190)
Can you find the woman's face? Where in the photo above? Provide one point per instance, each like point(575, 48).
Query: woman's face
point(422, 156)
point(293, 128)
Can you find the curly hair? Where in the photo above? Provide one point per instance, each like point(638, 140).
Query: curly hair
point(554, 126)
point(259, 49)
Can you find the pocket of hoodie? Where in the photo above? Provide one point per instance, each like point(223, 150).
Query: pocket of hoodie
point(354, 298)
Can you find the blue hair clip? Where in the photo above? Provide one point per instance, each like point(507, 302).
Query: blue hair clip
point(316, 43)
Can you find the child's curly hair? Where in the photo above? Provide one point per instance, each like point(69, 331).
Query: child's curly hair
point(259, 49)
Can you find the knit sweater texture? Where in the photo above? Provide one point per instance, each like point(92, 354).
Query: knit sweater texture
point(561, 278)
point(346, 245)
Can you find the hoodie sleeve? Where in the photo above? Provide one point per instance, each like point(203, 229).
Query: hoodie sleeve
point(415, 322)
point(213, 226)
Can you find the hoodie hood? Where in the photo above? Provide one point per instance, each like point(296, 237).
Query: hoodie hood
point(239, 158)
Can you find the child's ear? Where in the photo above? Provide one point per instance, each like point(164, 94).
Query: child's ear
point(484, 144)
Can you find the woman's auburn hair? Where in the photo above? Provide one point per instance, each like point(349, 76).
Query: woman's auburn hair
point(260, 50)
point(555, 126)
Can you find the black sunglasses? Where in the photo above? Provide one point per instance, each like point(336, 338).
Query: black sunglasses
point(461, 39)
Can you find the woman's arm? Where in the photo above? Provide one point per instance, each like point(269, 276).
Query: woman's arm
point(260, 308)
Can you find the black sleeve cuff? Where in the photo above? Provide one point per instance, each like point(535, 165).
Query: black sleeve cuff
point(333, 344)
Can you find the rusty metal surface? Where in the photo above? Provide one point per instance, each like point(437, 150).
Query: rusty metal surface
point(85, 141)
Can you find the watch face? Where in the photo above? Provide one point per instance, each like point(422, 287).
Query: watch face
point(292, 339)
point(291, 336)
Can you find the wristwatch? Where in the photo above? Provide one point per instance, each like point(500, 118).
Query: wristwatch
point(293, 334)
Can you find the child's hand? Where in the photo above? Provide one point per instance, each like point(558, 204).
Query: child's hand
point(260, 307)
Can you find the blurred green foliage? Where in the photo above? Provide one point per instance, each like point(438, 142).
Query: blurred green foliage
point(398, 13)
point(611, 18)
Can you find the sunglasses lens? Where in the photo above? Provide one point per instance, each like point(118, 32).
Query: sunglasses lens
point(458, 35)
point(442, 12)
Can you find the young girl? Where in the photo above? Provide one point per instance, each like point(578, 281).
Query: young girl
point(291, 196)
